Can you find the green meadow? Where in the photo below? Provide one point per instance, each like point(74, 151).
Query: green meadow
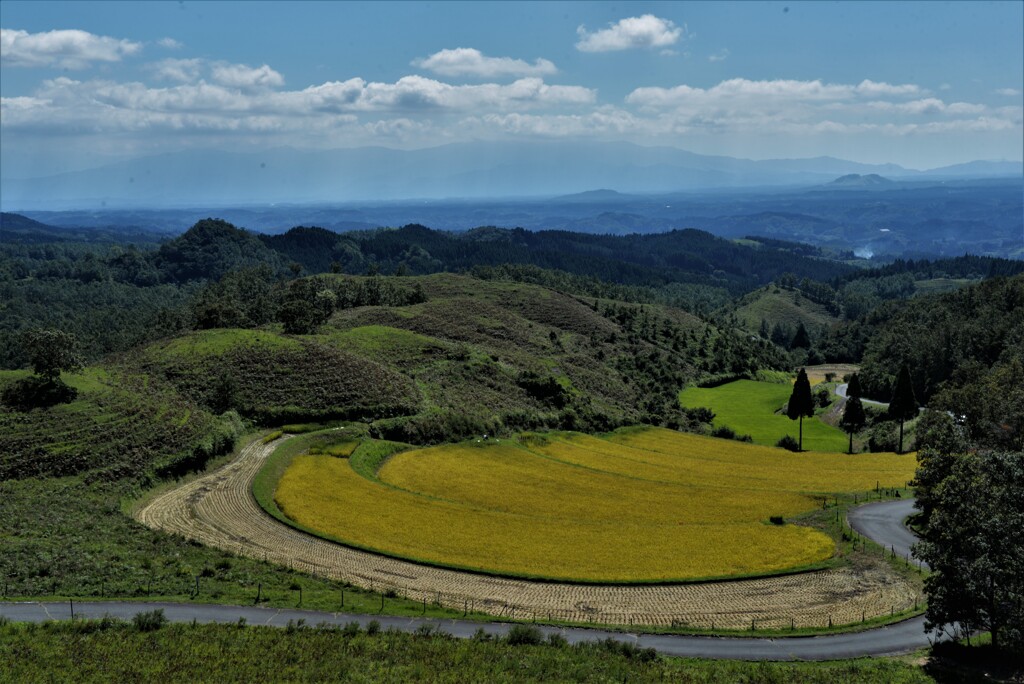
point(752, 408)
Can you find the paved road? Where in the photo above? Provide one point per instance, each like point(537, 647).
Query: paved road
point(883, 522)
point(841, 391)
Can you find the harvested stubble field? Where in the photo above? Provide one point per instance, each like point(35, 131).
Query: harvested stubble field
point(220, 510)
point(641, 506)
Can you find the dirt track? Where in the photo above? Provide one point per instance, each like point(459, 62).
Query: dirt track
point(219, 510)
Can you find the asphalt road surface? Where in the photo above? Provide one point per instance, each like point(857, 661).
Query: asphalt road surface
point(882, 522)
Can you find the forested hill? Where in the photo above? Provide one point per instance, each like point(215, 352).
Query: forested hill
point(679, 256)
point(965, 351)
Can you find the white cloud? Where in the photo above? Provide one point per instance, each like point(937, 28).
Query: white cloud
point(472, 62)
point(181, 70)
point(69, 49)
point(97, 105)
point(1009, 92)
point(873, 89)
point(647, 31)
point(169, 43)
point(719, 56)
point(242, 76)
point(739, 90)
point(417, 92)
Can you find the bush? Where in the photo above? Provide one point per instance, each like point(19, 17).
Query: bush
point(524, 635)
point(788, 442)
point(882, 437)
point(777, 520)
point(426, 630)
point(556, 640)
point(35, 392)
point(150, 621)
point(726, 432)
point(822, 398)
point(373, 627)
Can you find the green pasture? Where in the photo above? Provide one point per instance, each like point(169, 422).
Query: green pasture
point(750, 408)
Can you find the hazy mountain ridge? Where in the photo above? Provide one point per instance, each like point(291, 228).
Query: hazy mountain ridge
point(468, 170)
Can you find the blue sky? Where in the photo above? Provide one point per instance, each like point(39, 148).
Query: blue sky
point(919, 84)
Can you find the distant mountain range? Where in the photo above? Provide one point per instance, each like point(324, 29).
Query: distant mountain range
point(464, 170)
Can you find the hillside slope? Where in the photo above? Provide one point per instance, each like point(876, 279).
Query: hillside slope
point(476, 356)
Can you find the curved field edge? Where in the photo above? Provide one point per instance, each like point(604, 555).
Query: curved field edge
point(277, 463)
point(367, 457)
point(641, 608)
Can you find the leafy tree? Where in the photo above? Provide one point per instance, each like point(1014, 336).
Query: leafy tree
point(854, 419)
point(52, 351)
point(801, 403)
point(973, 544)
point(903, 405)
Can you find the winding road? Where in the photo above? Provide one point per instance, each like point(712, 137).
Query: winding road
point(882, 522)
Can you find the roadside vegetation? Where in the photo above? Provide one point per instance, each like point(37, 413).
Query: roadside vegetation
point(98, 651)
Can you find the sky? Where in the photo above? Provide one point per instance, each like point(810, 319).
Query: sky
point(919, 84)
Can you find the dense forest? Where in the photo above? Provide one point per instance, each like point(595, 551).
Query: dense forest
point(116, 295)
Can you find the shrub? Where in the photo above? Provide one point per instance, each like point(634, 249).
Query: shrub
point(350, 629)
point(150, 621)
point(35, 392)
point(822, 398)
point(556, 640)
point(426, 630)
point(726, 432)
point(777, 520)
point(373, 627)
point(481, 635)
point(882, 437)
point(272, 436)
point(788, 442)
point(524, 635)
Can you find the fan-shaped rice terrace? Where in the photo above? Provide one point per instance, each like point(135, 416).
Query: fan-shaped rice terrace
point(636, 506)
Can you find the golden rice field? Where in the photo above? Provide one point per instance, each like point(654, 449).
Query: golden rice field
point(645, 505)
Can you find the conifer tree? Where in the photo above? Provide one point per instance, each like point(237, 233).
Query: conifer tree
point(801, 403)
point(853, 419)
point(903, 405)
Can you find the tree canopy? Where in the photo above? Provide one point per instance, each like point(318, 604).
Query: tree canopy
point(974, 544)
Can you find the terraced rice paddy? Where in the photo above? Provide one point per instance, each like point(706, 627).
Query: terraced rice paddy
point(639, 506)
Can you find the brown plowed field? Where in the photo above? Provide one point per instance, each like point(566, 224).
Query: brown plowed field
point(219, 510)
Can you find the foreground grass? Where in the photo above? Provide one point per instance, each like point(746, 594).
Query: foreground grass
point(749, 408)
point(112, 651)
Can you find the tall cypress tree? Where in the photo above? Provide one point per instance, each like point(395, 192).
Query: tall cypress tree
point(801, 340)
point(853, 390)
point(903, 405)
point(853, 419)
point(801, 403)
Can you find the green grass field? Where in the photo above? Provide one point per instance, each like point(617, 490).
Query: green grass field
point(749, 408)
point(111, 651)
